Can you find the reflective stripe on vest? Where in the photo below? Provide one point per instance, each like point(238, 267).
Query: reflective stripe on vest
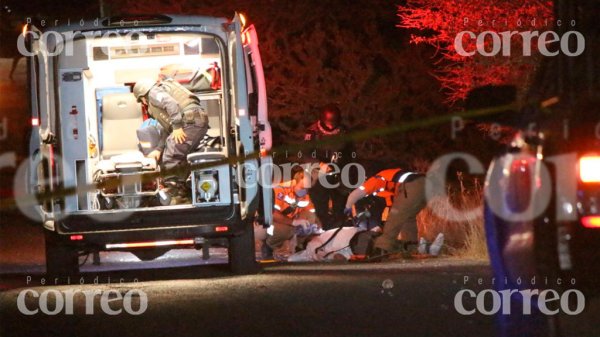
point(404, 176)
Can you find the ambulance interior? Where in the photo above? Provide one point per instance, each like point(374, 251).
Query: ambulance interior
point(113, 116)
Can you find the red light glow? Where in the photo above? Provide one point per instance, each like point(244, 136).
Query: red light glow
point(150, 244)
point(589, 169)
point(591, 221)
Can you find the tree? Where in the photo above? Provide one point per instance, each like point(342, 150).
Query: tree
point(438, 22)
point(349, 53)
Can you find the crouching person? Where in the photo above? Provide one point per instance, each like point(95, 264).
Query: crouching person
point(179, 113)
point(184, 122)
point(293, 213)
point(405, 195)
point(402, 220)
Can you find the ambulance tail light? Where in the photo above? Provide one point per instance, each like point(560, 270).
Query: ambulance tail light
point(591, 221)
point(589, 169)
point(35, 121)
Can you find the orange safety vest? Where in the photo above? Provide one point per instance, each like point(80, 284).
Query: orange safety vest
point(288, 203)
point(384, 184)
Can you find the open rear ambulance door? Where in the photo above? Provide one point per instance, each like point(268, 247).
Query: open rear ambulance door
point(247, 171)
point(257, 99)
point(42, 176)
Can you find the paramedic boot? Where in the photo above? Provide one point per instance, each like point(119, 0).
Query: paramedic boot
point(266, 252)
point(409, 249)
point(378, 255)
point(384, 251)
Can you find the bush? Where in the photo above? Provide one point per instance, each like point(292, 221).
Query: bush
point(459, 216)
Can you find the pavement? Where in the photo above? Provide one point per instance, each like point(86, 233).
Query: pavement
point(188, 296)
point(391, 299)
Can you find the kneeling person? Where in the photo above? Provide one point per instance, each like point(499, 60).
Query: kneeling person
point(293, 212)
point(405, 198)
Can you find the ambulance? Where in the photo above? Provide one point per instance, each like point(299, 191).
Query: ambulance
point(97, 190)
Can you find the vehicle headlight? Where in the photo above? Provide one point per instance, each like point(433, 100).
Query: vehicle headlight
point(589, 169)
point(207, 186)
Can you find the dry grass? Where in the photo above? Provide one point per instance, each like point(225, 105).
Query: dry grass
point(459, 216)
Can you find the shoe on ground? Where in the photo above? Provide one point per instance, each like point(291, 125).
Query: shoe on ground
point(422, 246)
point(266, 252)
point(437, 244)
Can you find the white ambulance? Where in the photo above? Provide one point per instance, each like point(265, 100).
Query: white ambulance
point(98, 191)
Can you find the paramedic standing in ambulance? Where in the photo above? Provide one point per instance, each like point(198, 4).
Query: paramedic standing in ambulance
point(405, 198)
point(179, 112)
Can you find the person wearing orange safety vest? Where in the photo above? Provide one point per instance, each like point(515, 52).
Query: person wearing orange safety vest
point(404, 192)
point(382, 185)
point(293, 212)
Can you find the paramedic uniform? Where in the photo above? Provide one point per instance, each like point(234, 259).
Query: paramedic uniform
point(382, 185)
point(287, 204)
point(404, 193)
